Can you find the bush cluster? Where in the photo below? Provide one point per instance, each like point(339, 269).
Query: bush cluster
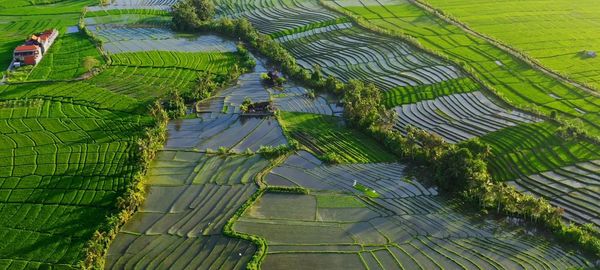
point(283, 189)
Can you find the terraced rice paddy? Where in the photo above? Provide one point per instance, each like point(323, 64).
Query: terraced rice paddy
point(145, 83)
point(19, 19)
point(323, 134)
point(407, 227)
point(136, 4)
point(516, 152)
point(132, 39)
point(459, 117)
point(511, 77)
point(192, 193)
point(62, 165)
point(574, 188)
point(543, 31)
point(341, 49)
point(232, 131)
point(191, 196)
point(546, 165)
point(199, 61)
point(166, 62)
point(68, 149)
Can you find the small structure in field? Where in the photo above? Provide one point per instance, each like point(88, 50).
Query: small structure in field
point(32, 51)
point(273, 77)
point(257, 108)
point(590, 54)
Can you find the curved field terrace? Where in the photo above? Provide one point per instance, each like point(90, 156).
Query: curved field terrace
point(459, 117)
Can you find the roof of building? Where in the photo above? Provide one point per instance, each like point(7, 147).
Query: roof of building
point(26, 48)
point(46, 34)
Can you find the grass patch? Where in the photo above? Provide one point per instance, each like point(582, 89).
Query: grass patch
point(371, 193)
point(338, 201)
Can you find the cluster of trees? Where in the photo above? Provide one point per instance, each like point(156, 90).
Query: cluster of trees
point(174, 105)
point(363, 106)
point(272, 152)
point(134, 195)
point(189, 14)
point(283, 189)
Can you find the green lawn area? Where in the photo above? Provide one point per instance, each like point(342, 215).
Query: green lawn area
point(327, 135)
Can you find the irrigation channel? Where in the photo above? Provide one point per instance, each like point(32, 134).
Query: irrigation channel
point(392, 221)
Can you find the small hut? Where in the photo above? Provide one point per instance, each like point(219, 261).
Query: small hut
point(590, 54)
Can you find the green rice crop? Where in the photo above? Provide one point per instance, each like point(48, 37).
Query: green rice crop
point(338, 201)
point(557, 34)
point(62, 165)
point(531, 148)
point(327, 135)
point(412, 94)
point(19, 20)
point(215, 62)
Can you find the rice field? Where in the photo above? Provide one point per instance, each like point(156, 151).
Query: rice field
point(62, 165)
point(340, 48)
point(533, 148)
point(537, 161)
point(144, 83)
point(136, 4)
point(199, 61)
point(67, 149)
point(327, 135)
point(543, 31)
point(65, 59)
point(514, 79)
point(573, 188)
point(191, 196)
point(136, 39)
point(408, 227)
point(233, 132)
point(458, 117)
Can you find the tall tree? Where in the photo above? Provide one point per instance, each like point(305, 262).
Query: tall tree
point(205, 9)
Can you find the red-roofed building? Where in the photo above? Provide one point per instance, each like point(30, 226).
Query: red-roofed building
point(32, 51)
point(27, 55)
